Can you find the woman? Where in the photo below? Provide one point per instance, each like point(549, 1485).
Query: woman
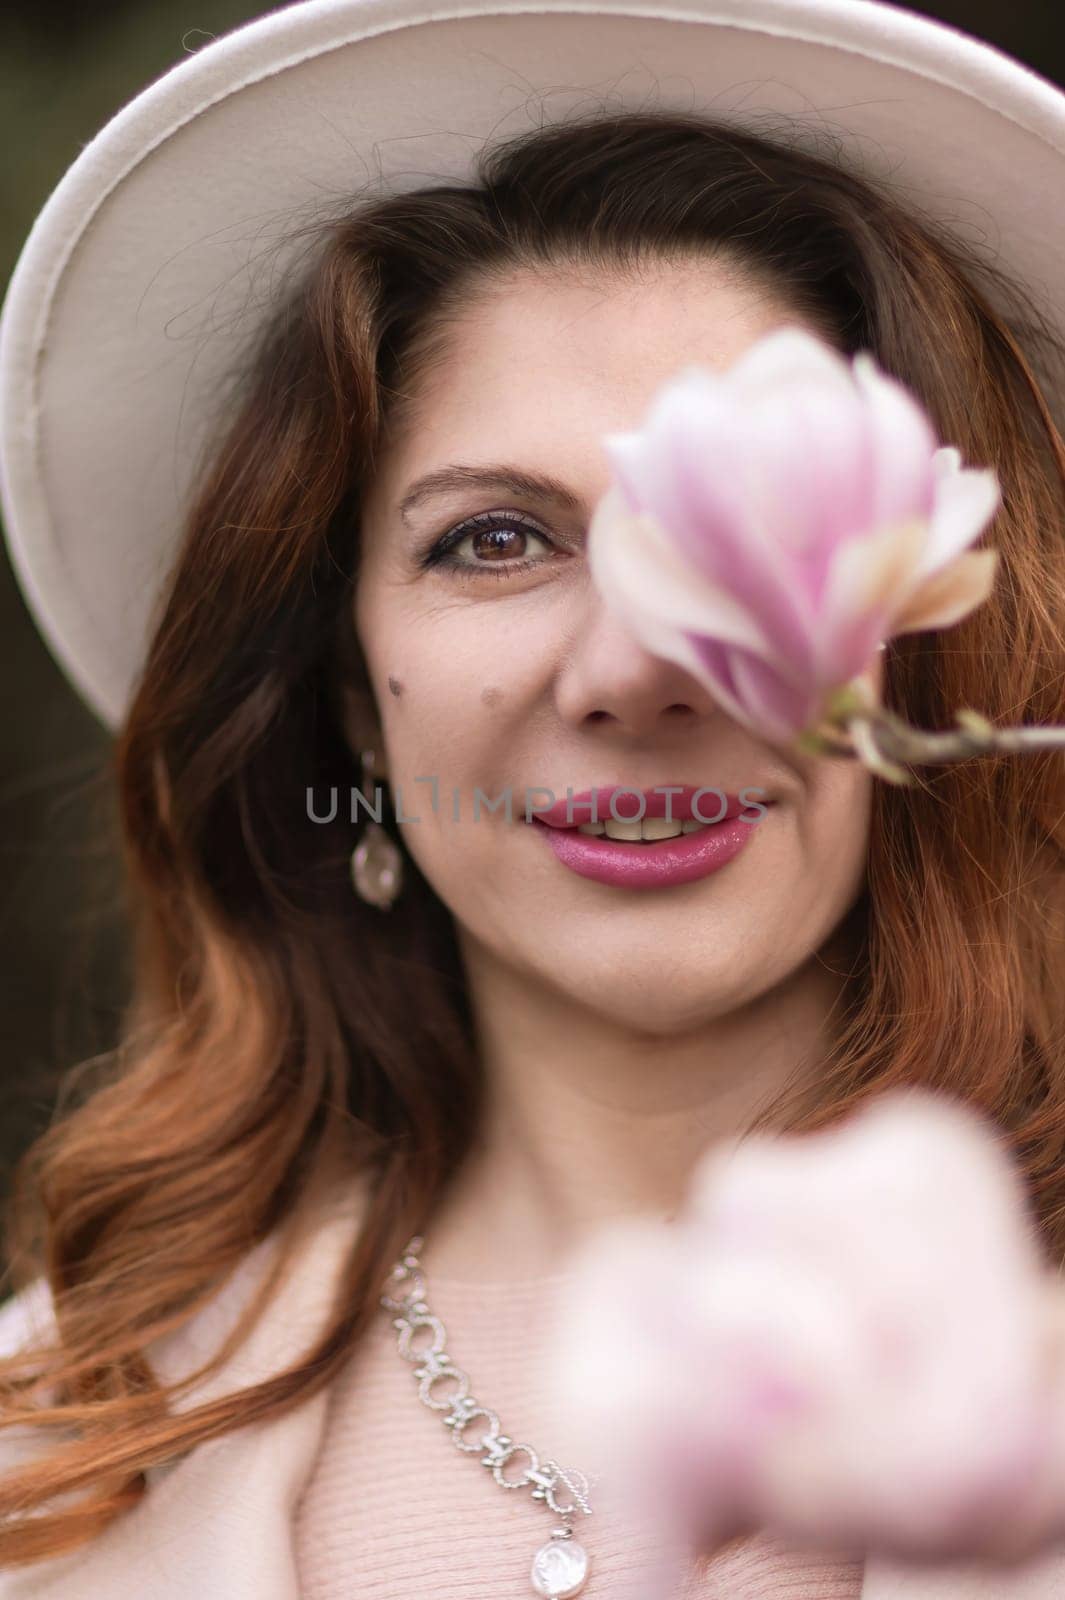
point(481, 1045)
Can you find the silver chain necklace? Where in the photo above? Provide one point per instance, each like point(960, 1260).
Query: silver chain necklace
point(559, 1567)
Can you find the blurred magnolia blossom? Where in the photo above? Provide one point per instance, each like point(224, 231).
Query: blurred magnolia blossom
point(773, 525)
point(847, 1337)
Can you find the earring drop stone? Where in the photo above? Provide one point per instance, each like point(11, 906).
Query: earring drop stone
point(376, 867)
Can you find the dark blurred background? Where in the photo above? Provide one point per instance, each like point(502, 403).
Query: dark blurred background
point(65, 68)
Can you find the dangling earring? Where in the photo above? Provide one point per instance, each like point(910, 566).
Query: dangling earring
point(376, 864)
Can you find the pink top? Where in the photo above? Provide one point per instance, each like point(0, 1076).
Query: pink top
point(359, 1491)
point(393, 1508)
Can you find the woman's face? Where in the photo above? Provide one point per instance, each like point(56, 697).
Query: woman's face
point(499, 669)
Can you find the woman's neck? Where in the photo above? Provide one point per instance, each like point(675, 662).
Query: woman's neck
point(586, 1123)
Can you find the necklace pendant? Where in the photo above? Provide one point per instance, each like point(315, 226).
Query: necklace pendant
point(560, 1567)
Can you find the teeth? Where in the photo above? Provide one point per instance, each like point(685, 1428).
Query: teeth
point(659, 828)
point(649, 829)
point(623, 830)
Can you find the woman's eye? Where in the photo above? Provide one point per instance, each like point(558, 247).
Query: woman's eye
point(497, 543)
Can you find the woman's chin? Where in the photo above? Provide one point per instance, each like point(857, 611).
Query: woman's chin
point(668, 1002)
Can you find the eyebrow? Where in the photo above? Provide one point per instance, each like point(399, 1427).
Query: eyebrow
point(530, 485)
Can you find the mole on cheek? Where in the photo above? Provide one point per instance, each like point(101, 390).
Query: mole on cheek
point(395, 686)
point(491, 697)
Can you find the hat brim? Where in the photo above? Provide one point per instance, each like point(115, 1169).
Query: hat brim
point(159, 254)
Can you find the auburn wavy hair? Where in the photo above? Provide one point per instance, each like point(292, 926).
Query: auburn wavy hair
point(279, 1030)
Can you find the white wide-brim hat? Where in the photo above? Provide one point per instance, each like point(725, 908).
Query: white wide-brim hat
point(158, 255)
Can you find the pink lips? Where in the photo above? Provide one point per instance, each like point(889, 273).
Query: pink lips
point(664, 861)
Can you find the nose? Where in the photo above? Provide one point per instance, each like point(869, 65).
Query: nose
point(609, 679)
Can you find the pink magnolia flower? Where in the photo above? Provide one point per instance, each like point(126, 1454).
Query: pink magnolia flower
point(771, 526)
point(849, 1337)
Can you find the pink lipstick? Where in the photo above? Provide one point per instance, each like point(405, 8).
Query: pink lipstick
point(631, 864)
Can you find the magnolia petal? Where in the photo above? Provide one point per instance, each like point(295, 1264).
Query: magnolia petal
point(797, 436)
point(715, 670)
point(686, 469)
point(946, 461)
point(903, 446)
point(659, 638)
point(863, 580)
point(789, 352)
point(625, 450)
point(716, 531)
point(866, 572)
point(779, 708)
point(632, 558)
point(625, 594)
point(803, 461)
point(966, 500)
point(949, 595)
